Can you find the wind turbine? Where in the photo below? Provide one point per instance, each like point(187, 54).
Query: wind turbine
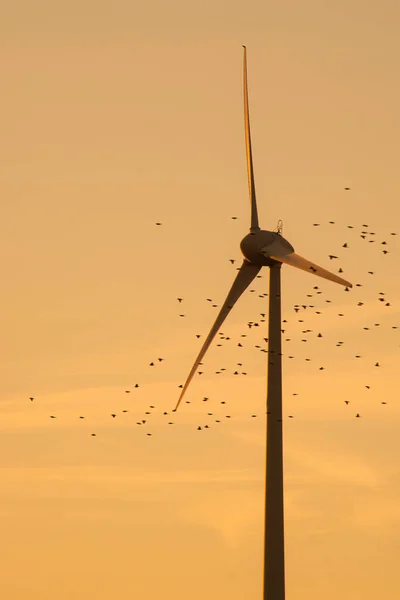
point(266, 248)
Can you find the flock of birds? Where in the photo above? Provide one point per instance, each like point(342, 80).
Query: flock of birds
point(300, 312)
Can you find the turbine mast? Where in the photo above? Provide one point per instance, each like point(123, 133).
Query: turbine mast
point(249, 156)
point(274, 547)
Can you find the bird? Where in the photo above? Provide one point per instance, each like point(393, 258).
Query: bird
point(31, 398)
point(179, 299)
point(158, 223)
point(347, 189)
point(358, 416)
point(231, 260)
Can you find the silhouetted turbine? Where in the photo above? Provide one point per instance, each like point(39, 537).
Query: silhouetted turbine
point(266, 248)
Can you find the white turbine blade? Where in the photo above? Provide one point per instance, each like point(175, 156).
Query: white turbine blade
point(294, 260)
point(250, 171)
point(244, 277)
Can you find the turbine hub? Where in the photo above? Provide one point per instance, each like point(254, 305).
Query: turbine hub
point(268, 241)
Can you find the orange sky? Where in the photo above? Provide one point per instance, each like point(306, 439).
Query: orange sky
point(119, 115)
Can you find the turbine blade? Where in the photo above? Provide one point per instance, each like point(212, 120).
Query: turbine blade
point(294, 260)
point(243, 279)
point(249, 156)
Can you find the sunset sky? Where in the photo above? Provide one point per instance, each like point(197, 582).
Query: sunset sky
point(118, 115)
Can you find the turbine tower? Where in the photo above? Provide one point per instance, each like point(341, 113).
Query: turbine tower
point(266, 248)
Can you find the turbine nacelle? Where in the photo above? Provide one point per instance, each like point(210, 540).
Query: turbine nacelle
point(258, 246)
